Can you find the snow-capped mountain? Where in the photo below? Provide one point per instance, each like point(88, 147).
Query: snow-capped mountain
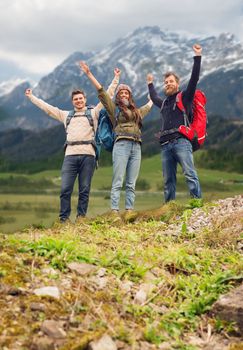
point(6, 87)
point(145, 50)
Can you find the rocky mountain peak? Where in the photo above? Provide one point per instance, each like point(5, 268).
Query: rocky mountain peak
point(147, 49)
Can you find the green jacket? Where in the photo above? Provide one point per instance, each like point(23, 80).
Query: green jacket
point(124, 129)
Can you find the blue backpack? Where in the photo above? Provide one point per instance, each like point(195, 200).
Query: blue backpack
point(105, 136)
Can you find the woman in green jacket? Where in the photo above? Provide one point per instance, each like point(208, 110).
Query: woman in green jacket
point(126, 119)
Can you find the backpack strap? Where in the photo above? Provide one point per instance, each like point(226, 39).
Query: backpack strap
point(181, 107)
point(68, 119)
point(88, 115)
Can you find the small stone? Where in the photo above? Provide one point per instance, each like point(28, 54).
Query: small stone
point(165, 346)
point(48, 291)
point(101, 272)
point(140, 297)
point(82, 268)
point(100, 282)
point(104, 343)
point(229, 307)
point(143, 293)
point(49, 271)
point(37, 307)
point(43, 343)
point(120, 344)
point(126, 286)
point(143, 345)
point(14, 291)
point(160, 309)
point(53, 329)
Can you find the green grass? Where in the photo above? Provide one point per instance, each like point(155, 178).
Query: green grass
point(215, 184)
point(28, 208)
point(211, 180)
point(187, 275)
point(19, 211)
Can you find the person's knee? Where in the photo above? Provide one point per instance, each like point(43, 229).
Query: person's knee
point(85, 188)
point(116, 187)
point(191, 175)
point(66, 190)
point(130, 187)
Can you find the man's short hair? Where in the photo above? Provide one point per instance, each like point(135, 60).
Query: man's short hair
point(78, 92)
point(167, 74)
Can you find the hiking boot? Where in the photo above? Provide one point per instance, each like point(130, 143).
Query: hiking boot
point(65, 221)
point(130, 215)
point(80, 220)
point(115, 216)
point(62, 222)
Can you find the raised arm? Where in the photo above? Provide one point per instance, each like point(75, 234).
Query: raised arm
point(85, 68)
point(52, 111)
point(152, 92)
point(145, 109)
point(28, 93)
point(188, 94)
point(112, 87)
point(105, 97)
point(197, 49)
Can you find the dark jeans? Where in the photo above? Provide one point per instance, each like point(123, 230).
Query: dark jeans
point(179, 151)
point(83, 166)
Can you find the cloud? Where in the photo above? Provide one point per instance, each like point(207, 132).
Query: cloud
point(37, 35)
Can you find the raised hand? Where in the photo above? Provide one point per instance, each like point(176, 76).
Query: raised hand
point(84, 67)
point(197, 49)
point(28, 92)
point(117, 72)
point(150, 78)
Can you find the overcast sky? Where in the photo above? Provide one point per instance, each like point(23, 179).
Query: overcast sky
point(37, 35)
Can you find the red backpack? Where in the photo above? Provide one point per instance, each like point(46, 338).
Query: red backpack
point(196, 130)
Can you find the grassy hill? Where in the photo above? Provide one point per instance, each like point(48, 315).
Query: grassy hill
point(34, 199)
point(150, 179)
point(142, 285)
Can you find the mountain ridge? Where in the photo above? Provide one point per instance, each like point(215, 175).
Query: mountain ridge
point(147, 49)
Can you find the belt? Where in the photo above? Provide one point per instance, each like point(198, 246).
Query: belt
point(171, 141)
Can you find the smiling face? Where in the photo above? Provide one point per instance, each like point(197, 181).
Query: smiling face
point(124, 94)
point(79, 101)
point(171, 85)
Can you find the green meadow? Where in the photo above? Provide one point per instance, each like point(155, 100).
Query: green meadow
point(34, 199)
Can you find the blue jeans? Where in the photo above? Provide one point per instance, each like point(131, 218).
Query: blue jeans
point(179, 151)
point(126, 158)
point(76, 165)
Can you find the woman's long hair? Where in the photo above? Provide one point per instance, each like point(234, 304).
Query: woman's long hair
point(132, 106)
